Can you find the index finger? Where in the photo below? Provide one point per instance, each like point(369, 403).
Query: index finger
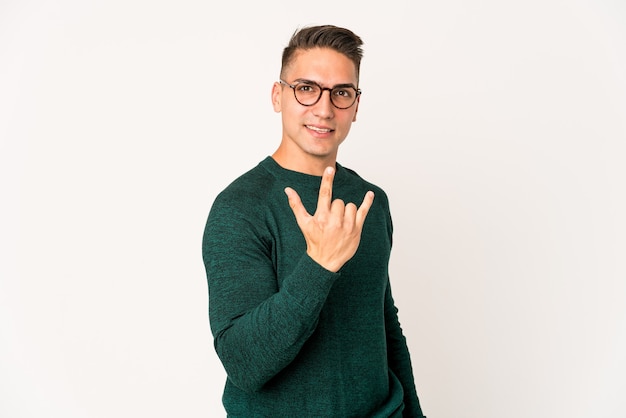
point(326, 189)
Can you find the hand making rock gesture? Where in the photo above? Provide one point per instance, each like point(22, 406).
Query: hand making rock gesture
point(333, 233)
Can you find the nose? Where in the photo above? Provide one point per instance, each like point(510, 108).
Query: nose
point(324, 107)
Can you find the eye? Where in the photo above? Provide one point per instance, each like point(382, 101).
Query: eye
point(344, 93)
point(307, 88)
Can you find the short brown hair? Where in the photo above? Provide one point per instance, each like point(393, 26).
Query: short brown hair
point(338, 39)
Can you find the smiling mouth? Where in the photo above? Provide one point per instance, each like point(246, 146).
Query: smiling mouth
point(320, 130)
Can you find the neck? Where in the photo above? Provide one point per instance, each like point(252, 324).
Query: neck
point(308, 164)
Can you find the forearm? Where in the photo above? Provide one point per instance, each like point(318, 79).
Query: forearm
point(257, 344)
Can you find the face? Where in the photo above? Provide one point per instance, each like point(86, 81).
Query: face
point(314, 133)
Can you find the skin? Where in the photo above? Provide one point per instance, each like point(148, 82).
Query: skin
point(303, 147)
point(310, 143)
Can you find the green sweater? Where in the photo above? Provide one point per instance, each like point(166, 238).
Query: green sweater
point(295, 339)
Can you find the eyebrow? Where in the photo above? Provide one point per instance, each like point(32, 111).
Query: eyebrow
point(304, 80)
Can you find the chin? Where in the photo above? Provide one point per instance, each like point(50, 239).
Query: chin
point(325, 153)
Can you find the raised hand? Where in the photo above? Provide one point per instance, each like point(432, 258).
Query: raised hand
point(333, 233)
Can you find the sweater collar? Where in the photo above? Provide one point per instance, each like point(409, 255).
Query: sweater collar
point(301, 179)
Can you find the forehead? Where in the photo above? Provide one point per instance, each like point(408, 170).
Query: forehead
point(323, 65)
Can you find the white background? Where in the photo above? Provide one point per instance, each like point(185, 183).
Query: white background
point(497, 128)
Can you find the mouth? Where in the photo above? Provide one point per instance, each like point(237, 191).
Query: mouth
point(319, 129)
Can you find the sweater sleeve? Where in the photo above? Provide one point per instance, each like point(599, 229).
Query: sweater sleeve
point(399, 358)
point(258, 327)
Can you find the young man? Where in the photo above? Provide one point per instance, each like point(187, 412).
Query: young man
point(296, 252)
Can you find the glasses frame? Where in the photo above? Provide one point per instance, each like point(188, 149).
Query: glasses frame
point(322, 89)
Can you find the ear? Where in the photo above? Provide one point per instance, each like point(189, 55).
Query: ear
point(277, 93)
point(356, 108)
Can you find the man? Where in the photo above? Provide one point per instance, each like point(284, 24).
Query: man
point(299, 298)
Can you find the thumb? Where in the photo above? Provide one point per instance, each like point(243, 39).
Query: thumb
point(296, 204)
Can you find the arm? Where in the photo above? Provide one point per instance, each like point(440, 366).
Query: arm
point(258, 329)
point(399, 358)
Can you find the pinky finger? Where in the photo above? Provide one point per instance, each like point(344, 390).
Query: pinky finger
point(361, 214)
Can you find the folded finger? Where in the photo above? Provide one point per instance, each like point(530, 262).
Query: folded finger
point(349, 217)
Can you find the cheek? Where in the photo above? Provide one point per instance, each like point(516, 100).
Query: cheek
point(292, 118)
point(346, 121)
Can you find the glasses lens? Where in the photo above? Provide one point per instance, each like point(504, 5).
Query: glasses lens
point(343, 97)
point(307, 94)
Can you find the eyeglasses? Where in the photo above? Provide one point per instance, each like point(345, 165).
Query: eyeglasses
point(307, 93)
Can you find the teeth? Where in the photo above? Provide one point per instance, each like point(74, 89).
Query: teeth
point(320, 130)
